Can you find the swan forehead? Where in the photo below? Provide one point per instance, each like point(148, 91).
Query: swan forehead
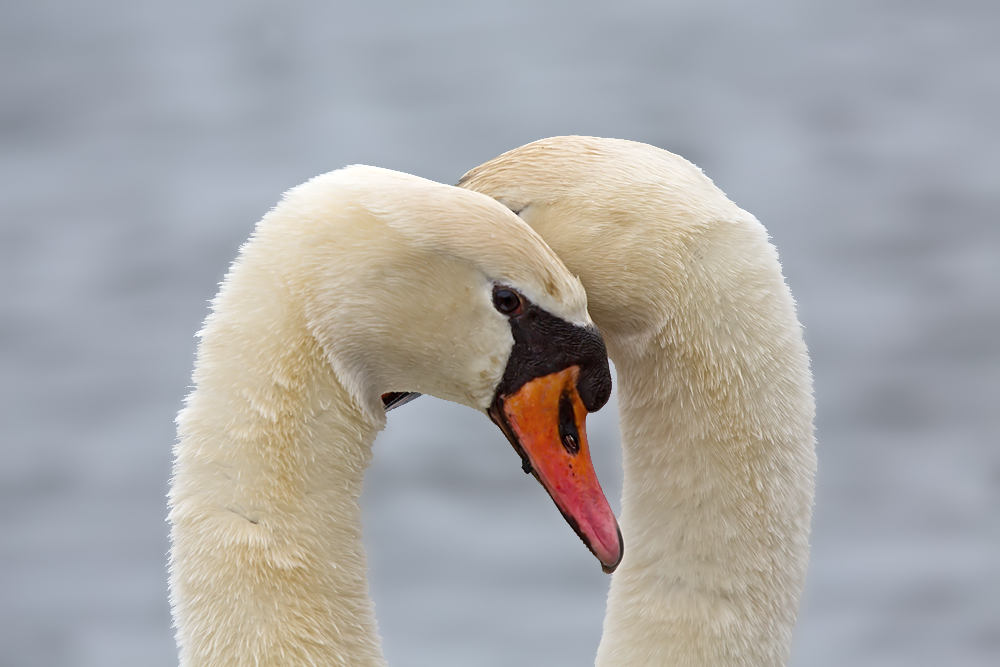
point(469, 226)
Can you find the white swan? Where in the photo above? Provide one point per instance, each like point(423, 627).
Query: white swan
point(360, 283)
point(715, 395)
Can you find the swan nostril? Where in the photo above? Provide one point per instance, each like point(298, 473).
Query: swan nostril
point(568, 433)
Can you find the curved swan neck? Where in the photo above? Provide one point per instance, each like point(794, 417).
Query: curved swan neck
point(716, 419)
point(267, 566)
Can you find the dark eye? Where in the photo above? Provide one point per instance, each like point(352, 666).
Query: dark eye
point(506, 301)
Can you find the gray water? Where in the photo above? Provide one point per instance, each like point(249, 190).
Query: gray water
point(141, 141)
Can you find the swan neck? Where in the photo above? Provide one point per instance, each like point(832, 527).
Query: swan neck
point(718, 488)
point(267, 565)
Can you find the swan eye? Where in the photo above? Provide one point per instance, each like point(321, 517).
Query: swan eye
point(507, 301)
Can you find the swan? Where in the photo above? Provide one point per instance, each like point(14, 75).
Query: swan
point(715, 395)
point(360, 288)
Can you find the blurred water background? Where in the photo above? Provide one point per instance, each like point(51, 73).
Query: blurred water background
point(141, 141)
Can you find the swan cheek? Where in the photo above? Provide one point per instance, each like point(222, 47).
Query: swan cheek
point(545, 421)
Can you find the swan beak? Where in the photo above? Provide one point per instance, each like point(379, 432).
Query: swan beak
point(545, 421)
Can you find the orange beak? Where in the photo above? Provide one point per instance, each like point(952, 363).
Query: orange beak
point(545, 421)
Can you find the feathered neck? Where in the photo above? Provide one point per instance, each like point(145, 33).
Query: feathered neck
point(267, 566)
point(716, 418)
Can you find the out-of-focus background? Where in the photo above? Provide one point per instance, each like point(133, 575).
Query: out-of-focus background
point(141, 141)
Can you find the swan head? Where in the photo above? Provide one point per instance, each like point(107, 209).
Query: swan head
point(647, 210)
point(413, 287)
